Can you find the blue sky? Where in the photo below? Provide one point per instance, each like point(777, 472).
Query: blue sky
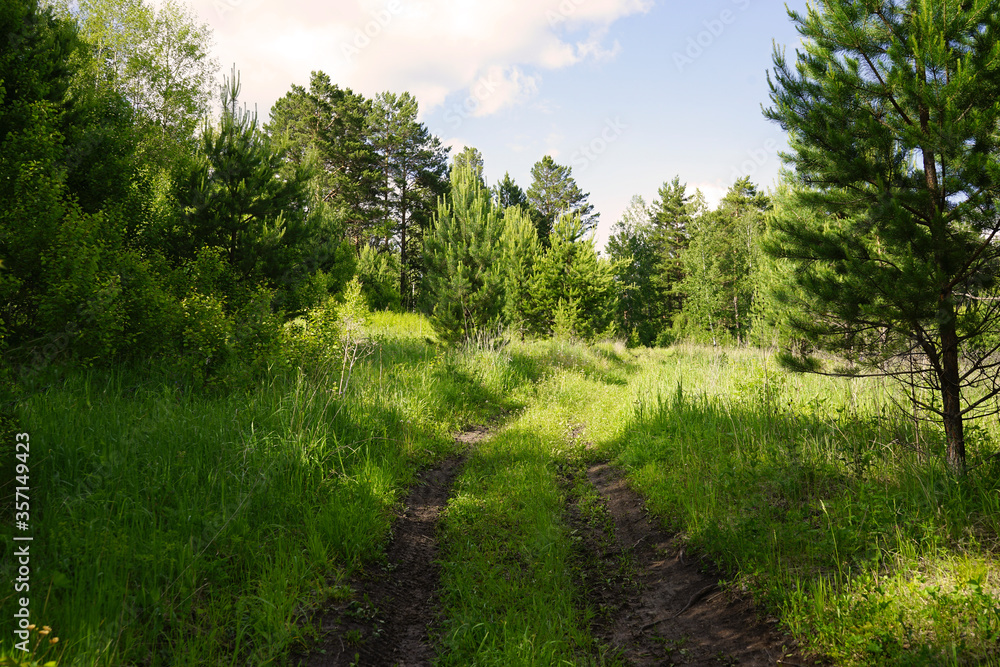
point(629, 93)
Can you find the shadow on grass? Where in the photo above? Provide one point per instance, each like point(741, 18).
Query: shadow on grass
point(192, 526)
point(872, 553)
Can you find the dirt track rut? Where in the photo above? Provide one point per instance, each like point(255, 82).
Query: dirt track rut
point(655, 605)
point(388, 620)
point(667, 609)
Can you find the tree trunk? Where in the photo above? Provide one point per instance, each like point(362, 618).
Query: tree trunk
point(403, 254)
point(951, 398)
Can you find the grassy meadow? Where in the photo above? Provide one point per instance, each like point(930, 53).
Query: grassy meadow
point(180, 525)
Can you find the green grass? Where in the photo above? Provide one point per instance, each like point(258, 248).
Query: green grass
point(510, 594)
point(206, 526)
point(183, 527)
point(827, 504)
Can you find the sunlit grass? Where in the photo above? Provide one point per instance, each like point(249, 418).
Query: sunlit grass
point(824, 501)
point(183, 526)
point(508, 583)
point(180, 526)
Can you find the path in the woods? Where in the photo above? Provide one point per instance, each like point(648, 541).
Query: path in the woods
point(655, 604)
point(388, 619)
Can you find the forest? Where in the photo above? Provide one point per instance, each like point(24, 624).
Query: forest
point(235, 348)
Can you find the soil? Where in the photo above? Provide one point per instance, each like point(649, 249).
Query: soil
point(388, 619)
point(655, 604)
point(658, 606)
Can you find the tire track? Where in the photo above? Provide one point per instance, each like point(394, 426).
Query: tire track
point(659, 607)
point(389, 619)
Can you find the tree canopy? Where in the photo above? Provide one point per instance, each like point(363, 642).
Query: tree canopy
point(554, 193)
point(893, 128)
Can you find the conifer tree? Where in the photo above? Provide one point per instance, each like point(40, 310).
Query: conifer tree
point(471, 157)
point(507, 193)
point(241, 204)
point(572, 289)
point(413, 174)
point(329, 125)
point(671, 215)
point(554, 194)
point(893, 125)
point(520, 252)
point(719, 264)
point(461, 251)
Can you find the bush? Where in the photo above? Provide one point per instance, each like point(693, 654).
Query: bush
point(207, 335)
point(379, 276)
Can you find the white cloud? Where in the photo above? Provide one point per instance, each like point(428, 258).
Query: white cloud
point(713, 192)
point(593, 47)
point(432, 48)
point(456, 145)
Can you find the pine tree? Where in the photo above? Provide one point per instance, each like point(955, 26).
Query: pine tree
point(413, 167)
point(241, 204)
point(472, 159)
point(507, 193)
point(329, 125)
point(572, 290)
point(554, 194)
point(671, 215)
point(719, 264)
point(462, 250)
point(520, 251)
point(892, 120)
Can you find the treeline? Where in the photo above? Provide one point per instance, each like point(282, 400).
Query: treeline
point(134, 223)
point(690, 272)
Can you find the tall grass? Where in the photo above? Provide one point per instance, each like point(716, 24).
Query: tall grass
point(186, 527)
point(826, 502)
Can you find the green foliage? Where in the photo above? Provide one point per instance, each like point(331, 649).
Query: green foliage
point(462, 251)
point(238, 202)
point(76, 263)
point(672, 216)
point(570, 282)
point(328, 126)
point(413, 175)
point(721, 265)
point(472, 160)
point(891, 233)
point(553, 194)
point(61, 278)
point(207, 332)
point(507, 193)
point(633, 245)
point(379, 276)
point(35, 65)
point(157, 58)
point(520, 252)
